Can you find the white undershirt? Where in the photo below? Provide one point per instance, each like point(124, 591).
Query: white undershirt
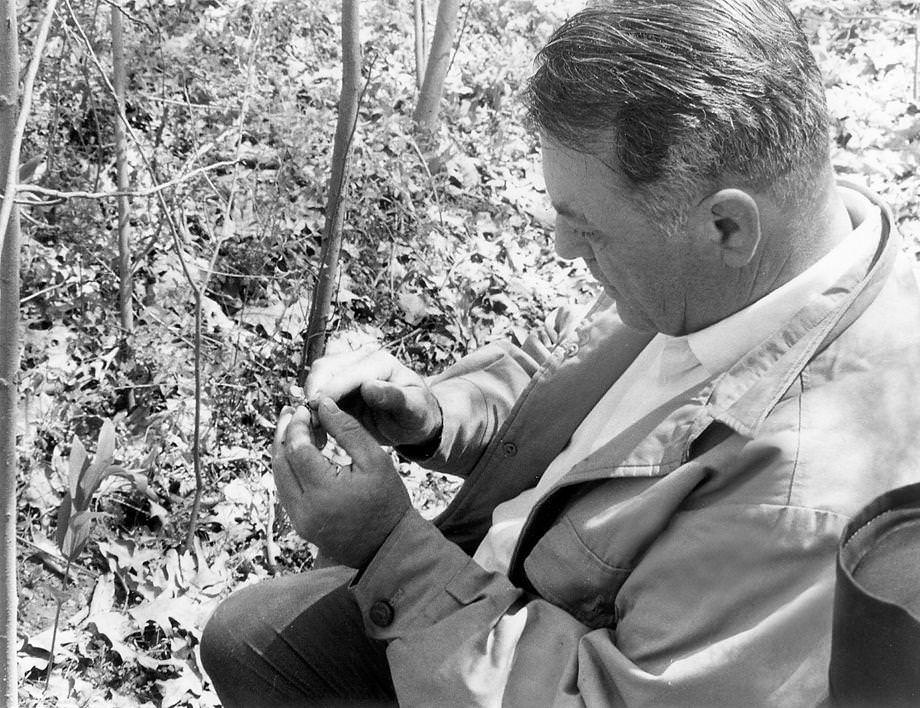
point(669, 366)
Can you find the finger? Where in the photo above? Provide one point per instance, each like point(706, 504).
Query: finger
point(405, 405)
point(284, 419)
point(351, 435)
point(288, 484)
point(306, 463)
point(327, 373)
point(383, 396)
point(336, 377)
point(317, 434)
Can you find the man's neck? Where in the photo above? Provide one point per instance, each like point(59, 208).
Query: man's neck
point(796, 243)
point(792, 241)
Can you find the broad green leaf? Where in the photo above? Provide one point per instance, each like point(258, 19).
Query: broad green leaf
point(99, 469)
point(77, 534)
point(63, 521)
point(76, 465)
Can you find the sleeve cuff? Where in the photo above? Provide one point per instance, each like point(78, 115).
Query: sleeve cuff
point(417, 578)
point(461, 440)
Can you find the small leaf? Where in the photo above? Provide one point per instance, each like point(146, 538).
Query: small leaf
point(105, 445)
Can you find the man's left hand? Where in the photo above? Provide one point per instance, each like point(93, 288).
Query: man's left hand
point(347, 511)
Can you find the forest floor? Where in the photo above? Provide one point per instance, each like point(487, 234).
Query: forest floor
point(442, 255)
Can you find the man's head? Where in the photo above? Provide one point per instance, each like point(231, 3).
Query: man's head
point(690, 103)
point(675, 93)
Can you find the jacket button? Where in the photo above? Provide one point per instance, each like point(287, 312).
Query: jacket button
point(381, 613)
point(510, 449)
point(571, 350)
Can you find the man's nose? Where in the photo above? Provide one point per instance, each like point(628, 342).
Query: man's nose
point(570, 242)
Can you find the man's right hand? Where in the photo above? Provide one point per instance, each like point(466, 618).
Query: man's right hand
point(391, 401)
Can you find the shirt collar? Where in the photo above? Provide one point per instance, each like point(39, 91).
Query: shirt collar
point(720, 345)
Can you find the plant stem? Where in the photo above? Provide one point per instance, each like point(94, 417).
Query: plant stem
point(57, 619)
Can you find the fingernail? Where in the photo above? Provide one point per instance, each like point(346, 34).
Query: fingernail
point(287, 410)
point(327, 403)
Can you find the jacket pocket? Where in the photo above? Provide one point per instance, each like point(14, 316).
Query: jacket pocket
point(565, 572)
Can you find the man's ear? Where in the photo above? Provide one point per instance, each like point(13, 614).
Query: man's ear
point(731, 221)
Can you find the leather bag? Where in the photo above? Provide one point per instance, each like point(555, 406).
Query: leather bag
point(875, 649)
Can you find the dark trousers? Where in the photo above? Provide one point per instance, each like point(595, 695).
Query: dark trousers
point(295, 641)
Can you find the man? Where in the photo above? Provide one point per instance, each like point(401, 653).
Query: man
point(652, 503)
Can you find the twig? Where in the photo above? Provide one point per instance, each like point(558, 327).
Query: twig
point(41, 292)
point(256, 29)
point(185, 104)
point(57, 194)
point(123, 10)
point(466, 15)
point(12, 174)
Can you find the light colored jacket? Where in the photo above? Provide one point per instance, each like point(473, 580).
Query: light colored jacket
point(690, 561)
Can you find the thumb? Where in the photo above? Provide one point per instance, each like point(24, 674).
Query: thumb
point(351, 435)
point(403, 404)
point(383, 396)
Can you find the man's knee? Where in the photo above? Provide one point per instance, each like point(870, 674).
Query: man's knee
point(224, 633)
point(246, 624)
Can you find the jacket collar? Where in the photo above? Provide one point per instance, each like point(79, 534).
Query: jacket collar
point(744, 396)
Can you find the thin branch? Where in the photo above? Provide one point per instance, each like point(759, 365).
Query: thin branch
point(124, 11)
point(44, 291)
point(58, 194)
point(241, 122)
point(466, 16)
point(12, 173)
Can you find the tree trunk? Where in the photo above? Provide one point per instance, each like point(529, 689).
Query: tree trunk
point(315, 340)
point(421, 40)
point(9, 360)
point(429, 100)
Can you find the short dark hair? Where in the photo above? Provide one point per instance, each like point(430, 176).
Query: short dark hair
point(685, 90)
